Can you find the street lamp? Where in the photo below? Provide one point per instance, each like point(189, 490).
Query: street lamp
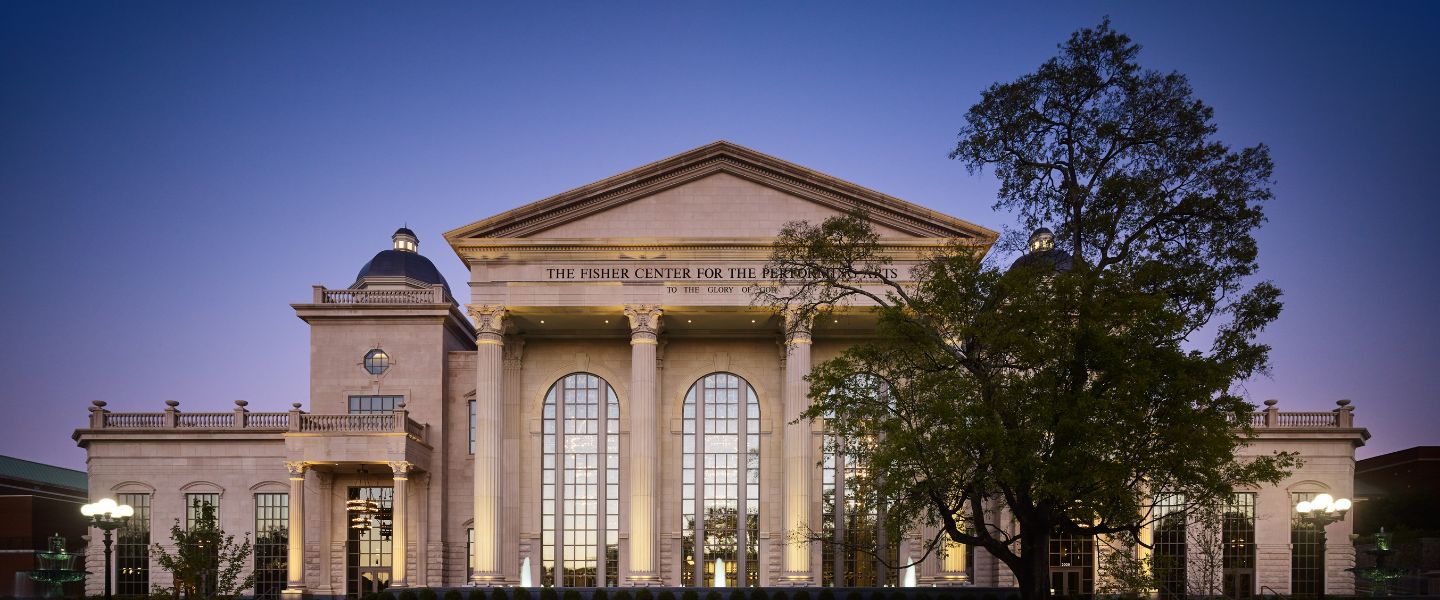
point(1320, 511)
point(108, 516)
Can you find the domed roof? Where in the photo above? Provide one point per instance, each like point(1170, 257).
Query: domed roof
point(403, 260)
point(399, 263)
point(1043, 252)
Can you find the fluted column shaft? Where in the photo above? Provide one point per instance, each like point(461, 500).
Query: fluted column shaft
point(295, 558)
point(644, 447)
point(799, 460)
point(399, 526)
point(489, 435)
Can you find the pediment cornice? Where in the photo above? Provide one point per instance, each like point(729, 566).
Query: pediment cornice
point(719, 157)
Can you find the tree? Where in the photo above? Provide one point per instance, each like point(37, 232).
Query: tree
point(1057, 393)
point(207, 562)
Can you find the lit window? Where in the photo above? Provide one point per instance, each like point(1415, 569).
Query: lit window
point(580, 484)
point(720, 479)
point(374, 404)
point(376, 361)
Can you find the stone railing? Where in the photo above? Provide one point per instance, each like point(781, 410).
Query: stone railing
point(1342, 417)
point(436, 294)
point(295, 420)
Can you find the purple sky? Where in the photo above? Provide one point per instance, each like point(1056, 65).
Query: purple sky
point(173, 176)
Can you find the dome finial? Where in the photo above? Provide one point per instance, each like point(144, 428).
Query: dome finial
point(405, 240)
point(1041, 240)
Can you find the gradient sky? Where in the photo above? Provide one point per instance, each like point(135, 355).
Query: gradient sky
point(172, 176)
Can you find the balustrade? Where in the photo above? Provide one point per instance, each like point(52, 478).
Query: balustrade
point(436, 294)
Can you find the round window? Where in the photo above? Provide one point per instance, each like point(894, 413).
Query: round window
point(376, 361)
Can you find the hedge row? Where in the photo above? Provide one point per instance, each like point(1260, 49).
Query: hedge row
point(550, 593)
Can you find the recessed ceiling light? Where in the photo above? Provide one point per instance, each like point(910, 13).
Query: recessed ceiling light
point(542, 321)
point(752, 320)
point(688, 321)
point(837, 320)
point(607, 320)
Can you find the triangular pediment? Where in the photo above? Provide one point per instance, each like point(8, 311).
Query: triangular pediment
point(720, 190)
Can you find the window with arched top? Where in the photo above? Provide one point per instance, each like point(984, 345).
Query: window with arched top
point(580, 483)
point(720, 482)
point(859, 547)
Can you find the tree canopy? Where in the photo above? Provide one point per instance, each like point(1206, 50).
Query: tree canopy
point(1061, 390)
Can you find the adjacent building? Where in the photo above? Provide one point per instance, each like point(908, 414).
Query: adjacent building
point(37, 501)
point(608, 408)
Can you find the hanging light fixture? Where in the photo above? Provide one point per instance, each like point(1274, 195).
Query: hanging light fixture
point(362, 510)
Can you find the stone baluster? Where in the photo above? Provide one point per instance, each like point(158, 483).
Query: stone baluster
point(489, 437)
point(799, 462)
point(399, 526)
point(295, 569)
point(644, 446)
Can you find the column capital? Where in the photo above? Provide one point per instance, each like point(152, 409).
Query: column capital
point(797, 322)
point(489, 322)
point(644, 322)
point(297, 468)
point(513, 351)
point(401, 468)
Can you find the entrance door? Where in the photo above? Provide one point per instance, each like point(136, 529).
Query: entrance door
point(371, 580)
point(1065, 582)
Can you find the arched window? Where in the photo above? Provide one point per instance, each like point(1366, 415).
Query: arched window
point(580, 506)
point(720, 479)
point(850, 519)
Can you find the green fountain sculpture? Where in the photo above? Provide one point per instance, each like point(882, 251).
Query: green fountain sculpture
point(57, 567)
point(1379, 576)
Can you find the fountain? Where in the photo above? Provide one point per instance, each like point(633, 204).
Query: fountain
point(719, 572)
point(908, 579)
point(525, 573)
point(57, 567)
point(1379, 575)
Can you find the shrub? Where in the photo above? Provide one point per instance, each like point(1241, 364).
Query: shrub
point(738, 594)
point(759, 594)
point(521, 594)
point(599, 594)
point(644, 594)
point(475, 594)
point(495, 594)
point(623, 594)
point(801, 595)
point(853, 595)
point(548, 593)
point(452, 594)
point(779, 595)
point(988, 596)
point(666, 595)
point(370, 596)
point(571, 594)
point(713, 595)
point(689, 594)
point(408, 594)
point(428, 594)
point(826, 594)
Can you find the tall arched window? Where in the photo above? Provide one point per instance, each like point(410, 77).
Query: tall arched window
point(580, 506)
point(850, 519)
point(720, 479)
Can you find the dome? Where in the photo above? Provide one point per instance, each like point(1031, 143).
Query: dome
point(1043, 252)
point(402, 260)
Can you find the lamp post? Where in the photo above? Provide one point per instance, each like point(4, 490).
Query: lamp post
point(107, 516)
point(1320, 511)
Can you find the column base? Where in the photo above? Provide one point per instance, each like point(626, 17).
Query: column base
point(794, 580)
point(644, 580)
point(290, 593)
point(492, 580)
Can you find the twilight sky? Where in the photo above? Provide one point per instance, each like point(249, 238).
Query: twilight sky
point(172, 176)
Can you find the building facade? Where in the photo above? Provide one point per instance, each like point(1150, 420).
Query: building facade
point(607, 409)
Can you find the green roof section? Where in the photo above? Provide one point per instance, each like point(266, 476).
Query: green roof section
point(16, 468)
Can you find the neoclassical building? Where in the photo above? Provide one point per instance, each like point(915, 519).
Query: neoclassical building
point(607, 409)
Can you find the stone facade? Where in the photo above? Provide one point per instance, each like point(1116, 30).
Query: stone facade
point(641, 280)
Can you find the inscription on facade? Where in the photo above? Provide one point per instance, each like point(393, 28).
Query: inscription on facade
point(666, 273)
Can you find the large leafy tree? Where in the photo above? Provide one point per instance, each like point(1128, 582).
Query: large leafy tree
point(206, 561)
point(1053, 396)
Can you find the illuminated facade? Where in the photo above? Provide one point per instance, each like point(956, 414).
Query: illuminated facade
point(607, 409)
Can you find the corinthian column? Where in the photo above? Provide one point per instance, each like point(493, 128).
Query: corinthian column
point(295, 557)
point(489, 408)
point(644, 454)
point(799, 462)
point(399, 526)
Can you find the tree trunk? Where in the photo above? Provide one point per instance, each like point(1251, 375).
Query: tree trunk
point(1033, 574)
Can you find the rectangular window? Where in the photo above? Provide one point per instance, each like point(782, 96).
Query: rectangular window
point(1072, 565)
point(1170, 549)
point(470, 547)
point(1237, 542)
point(374, 404)
point(472, 426)
point(272, 543)
point(368, 546)
point(194, 507)
point(1307, 566)
point(132, 548)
